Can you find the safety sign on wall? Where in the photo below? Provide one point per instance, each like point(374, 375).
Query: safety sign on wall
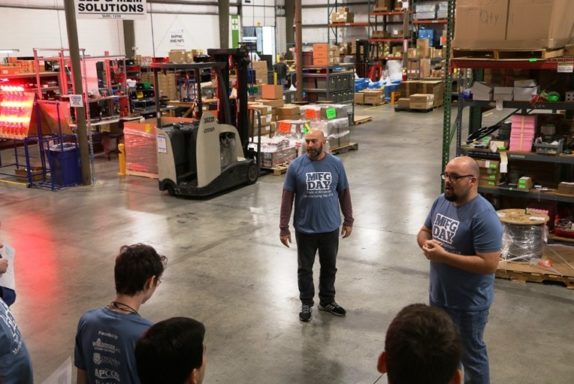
point(111, 9)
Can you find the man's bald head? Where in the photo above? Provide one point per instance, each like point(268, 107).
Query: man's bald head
point(467, 165)
point(316, 134)
point(314, 141)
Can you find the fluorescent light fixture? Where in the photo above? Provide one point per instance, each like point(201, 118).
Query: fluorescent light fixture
point(9, 50)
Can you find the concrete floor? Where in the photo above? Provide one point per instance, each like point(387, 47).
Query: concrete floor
point(228, 269)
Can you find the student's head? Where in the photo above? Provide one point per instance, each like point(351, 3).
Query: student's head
point(138, 268)
point(422, 346)
point(172, 352)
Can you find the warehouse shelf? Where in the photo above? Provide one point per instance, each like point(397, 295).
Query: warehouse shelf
point(533, 195)
point(343, 25)
point(430, 21)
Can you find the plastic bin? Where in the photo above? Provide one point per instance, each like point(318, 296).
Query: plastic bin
point(64, 163)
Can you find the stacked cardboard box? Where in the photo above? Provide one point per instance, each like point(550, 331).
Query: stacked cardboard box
point(260, 68)
point(336, 131)
point(167, 84)
point(421, 101)
point(489, 173)
point(522, 132)
point(373, 97)
point(180, 56)
point(503, 93)
point(342, 15)
point(266, 113)
point(271, 92)
point(325, 54)
point(288, 112)
point(513, 24)
point(276, 150)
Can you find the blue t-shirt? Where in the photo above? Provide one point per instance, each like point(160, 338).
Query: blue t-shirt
point(15, 365)
point(317, 185)
point(466, 230)
point(105, 343)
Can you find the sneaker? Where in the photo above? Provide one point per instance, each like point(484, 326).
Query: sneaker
point(334, 309)
point(305, 314)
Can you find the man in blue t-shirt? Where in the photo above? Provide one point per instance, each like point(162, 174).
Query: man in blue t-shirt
point(318, 184)
point(106, 337)
point(462, 238)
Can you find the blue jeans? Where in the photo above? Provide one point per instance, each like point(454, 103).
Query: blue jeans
point(307, 246)
point(470, 325)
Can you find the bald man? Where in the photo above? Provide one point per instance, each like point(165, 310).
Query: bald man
point(462, 238)
point(318, 184)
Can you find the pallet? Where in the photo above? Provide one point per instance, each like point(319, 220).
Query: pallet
point(142, 174)
point(507, 54)
point(415, 110)
point(278, 169)
point(561, 270)
point(345, 148)
point(372, 104)
point(362, 119)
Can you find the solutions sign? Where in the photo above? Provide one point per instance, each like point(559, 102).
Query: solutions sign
point(111, 9)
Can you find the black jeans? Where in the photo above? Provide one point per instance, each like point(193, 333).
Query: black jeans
point(307, 245)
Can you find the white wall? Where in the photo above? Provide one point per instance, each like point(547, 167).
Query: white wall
point(258, 13)
point(26, 29)
point(199, 32)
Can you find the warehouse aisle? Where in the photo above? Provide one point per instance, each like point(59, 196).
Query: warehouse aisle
point(228, 269)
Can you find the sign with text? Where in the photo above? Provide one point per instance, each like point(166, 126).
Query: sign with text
point(111, 9)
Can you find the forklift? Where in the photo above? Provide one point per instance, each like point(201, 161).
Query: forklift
point(207, 155)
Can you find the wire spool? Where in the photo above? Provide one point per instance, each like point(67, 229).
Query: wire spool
point(524, 234)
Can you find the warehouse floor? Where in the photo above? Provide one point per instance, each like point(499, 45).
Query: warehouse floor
point(228, 269)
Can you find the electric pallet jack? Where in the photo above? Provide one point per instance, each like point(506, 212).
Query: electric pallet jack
point(207, 155)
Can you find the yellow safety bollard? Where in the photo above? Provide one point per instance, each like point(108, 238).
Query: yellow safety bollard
point(122, 159)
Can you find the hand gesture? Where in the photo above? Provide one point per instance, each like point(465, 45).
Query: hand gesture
point(285, 239)
point(346, 231)
point(433, 250)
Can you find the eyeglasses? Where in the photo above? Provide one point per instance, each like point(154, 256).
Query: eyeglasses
point(453, 176)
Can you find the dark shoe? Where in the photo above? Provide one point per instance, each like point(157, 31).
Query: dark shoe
point(334, 309)
point(305, 314)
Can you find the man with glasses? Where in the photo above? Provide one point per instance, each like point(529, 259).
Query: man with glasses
point(318, 184)
point(106, 337)
point(462, 238)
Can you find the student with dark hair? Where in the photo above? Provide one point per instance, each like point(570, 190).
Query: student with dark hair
point(172, 352)
point(106, 337)
point(422, 346)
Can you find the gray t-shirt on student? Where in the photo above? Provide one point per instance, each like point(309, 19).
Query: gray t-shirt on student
point(15, 365)
point(105, 343)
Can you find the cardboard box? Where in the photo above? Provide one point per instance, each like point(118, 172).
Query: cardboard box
point(503, 93)
point(423, 48)
point(404, 103)
point(491, 164)
point(480, 23)
point(359, 98)
point(261, 70)
point(421, 101)
point(424, 68)
point(540, 23)
point(373, 97)
point(270, 91)
point(288, 112)
point(410, 87)
point(513, 24)
point(275, 103)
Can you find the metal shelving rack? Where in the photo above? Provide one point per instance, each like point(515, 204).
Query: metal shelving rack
point(447, 101)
